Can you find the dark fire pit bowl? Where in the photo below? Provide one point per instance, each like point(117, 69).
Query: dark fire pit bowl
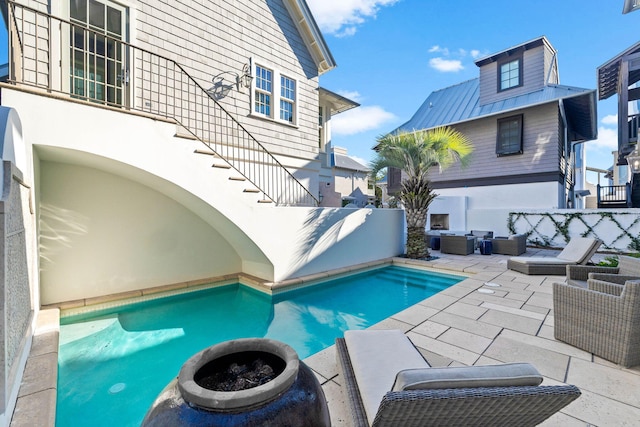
point(294, 397)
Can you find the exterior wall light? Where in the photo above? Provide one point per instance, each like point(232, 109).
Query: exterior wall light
point(633, 159)
point(245, 79)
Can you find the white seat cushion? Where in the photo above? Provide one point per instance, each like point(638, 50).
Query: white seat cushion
point(506, 375)
point(377, 356)
point(540, 260)
point(577, 249)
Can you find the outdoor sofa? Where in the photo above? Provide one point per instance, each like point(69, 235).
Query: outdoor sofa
point(628, 269)
point(387, 382)
point(515, 245)
point(459, 245)
point(579, 250)
point(603, 319)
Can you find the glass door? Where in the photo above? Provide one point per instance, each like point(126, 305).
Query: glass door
point(97, 71)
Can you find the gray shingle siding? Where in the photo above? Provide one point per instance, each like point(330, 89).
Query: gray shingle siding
point(541, 154)
point(209, 37)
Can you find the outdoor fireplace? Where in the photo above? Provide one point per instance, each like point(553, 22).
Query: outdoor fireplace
point(439, 221)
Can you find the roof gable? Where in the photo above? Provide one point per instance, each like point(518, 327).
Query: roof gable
point(308, 28)
point(540, 41)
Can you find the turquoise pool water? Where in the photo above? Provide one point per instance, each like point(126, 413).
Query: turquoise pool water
point(113, 364)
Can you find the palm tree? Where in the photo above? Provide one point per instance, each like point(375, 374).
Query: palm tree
point(416, 153)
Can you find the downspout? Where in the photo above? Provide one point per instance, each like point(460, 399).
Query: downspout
point(568, 146)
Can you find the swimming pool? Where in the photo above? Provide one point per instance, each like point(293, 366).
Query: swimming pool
point(112, 364)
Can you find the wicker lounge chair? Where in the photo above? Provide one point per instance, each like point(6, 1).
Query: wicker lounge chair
point(603, 319)
point(515, 245)
point(459, 245)
point(381, 391)
point(579, 250)
point(628, 269)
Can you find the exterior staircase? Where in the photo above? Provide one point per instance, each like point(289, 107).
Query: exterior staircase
point(162, 89)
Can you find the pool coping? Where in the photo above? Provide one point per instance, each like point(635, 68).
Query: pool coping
point(37, 396)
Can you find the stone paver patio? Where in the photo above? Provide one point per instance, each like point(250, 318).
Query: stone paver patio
point(467, 325)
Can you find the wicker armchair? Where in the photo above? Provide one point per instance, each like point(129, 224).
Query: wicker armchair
point(513, 245)
point(628, 269)
point(603, 319)
point(454, 401)
point(460, 245)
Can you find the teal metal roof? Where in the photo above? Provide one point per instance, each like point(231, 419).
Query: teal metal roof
point(460, 103)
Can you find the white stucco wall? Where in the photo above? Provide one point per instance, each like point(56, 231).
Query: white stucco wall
point(130, 159)
point(302, 241)
point(487, 208)
point(103, 234)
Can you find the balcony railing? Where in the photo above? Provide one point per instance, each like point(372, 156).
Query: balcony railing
point(614, 196)
point(66, 57)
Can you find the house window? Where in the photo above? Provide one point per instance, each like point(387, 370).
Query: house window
point(96, 51)
point(510, 74)
point(287, 98)
point(509, 136)
point(274, 95)
point(263, 92)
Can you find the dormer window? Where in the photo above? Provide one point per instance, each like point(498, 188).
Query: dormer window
point(509, 73)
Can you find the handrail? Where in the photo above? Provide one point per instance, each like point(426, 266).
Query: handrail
point(614, 195)
point(148, 83)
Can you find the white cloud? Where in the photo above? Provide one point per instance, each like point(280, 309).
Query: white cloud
point(360, 119)
point(611, 119)
point(475, 53)
point(341, 17)
point(607, 140)
point(437, 49)
point(446, 65)
point(351, 94)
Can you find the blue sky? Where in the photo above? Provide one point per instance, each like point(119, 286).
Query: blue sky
point(392, 54)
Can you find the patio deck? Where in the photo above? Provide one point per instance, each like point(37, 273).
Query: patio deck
point(461, 326)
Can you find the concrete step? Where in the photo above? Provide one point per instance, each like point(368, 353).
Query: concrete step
point(237, 178)
point(221, 166)
point(205, 152)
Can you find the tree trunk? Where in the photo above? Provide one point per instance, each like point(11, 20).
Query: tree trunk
point(417, 246)
point(416, 243)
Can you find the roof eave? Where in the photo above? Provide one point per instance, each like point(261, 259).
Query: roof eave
point(592, 94)
point(340, 102)
point(313, 39)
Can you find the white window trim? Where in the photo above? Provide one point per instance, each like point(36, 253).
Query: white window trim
point(275, 94)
